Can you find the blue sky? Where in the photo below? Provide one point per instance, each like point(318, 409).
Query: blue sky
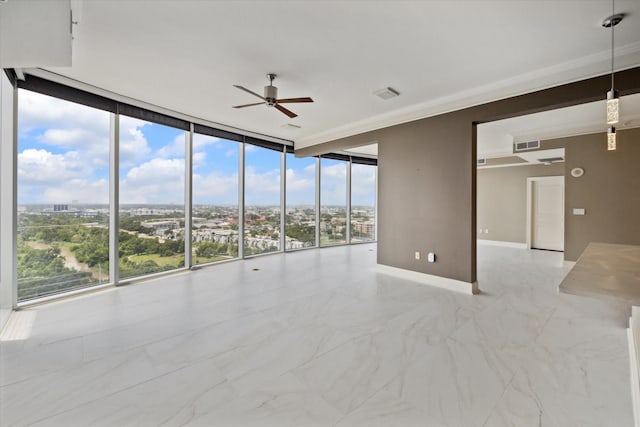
point(63, 156)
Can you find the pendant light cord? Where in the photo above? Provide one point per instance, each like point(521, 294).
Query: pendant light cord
point(613, 11)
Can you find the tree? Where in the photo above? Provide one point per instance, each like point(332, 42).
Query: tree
point(207, 250)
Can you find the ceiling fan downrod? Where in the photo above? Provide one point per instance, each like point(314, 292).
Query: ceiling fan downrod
point(271, 92)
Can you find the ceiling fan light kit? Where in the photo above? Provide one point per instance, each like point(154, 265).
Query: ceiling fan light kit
point(270, 98)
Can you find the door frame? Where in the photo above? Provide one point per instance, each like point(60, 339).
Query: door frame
point(530, 181)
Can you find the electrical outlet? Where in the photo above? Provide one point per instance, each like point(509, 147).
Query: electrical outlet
point(486, 231)
point(431, 257)
point(417, 255)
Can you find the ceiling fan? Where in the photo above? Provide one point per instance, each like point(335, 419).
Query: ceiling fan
point(270, 98)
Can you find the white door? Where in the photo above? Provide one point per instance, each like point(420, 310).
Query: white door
point(547, 222)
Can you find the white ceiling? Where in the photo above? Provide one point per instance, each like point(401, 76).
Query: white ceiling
point(440, 55)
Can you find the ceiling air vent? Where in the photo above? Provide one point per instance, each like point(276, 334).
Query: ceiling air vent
point(523, 146)
point(386, 93)
point(550, 160)
point(482, 162)
point(290, 126)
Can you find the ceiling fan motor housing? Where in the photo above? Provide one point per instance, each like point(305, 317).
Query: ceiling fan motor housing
point(271, 94)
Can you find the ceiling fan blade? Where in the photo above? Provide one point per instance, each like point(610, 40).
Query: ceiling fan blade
point(282, 101)
point(249, 91)
point(249, 105)
point(291, 114)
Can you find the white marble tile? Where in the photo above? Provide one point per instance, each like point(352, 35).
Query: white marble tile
point(318, 338)
point(42, 396)
point(456, 383)
point(564, 390)
point(19, 362)
point(281, 402)
point(177, 398)
point(351, 373)
point(386, 410)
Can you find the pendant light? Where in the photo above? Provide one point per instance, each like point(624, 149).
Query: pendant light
point(613, 104)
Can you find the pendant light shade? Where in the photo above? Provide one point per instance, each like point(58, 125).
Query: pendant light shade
point(613, 103)
point(611, 138)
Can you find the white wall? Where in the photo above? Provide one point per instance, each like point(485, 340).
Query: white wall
point(7, 199)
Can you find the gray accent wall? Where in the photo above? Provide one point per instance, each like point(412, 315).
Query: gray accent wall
point(502, 200)
point(609, 191)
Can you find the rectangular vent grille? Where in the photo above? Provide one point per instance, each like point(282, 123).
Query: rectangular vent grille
point(482, 161)
point(523, 146)
point(551, 159)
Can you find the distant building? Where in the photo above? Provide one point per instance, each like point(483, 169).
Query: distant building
point(364, 227)
point(217, 235)
point(159, 227)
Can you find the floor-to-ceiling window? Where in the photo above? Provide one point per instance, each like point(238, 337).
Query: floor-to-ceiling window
point(363, 203)
point(300, 227)
point(152, 171)
point(333, 202)
point(64, 206)
point(63, 195)
point(215, 199)
point(261, 200)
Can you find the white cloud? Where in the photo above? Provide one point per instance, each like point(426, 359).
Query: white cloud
point(297, 181)
point(64, 125)
point(66, 138)
point(199, 159)
point(45, 177)
point(201, 141)
point(363, 185)
point(42, 166)
point(336, 171)
point(333, 184)
point(175, 148)
point(133, 144)
point(215, 188)
point(301, 186)
point(40, 111)
point(156, 181)
point(262, 188)
point(80, 190)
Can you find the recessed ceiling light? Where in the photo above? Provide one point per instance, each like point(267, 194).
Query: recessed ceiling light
point(386, 93)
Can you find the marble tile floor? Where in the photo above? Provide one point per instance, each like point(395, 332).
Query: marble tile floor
point(318, 338)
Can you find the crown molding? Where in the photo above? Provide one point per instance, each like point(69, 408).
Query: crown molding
point(586, 67)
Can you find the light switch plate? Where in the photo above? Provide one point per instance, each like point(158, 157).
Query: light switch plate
point(578, 211)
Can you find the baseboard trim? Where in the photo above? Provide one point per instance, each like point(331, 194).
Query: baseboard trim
point(502, 243)
point(469, 288)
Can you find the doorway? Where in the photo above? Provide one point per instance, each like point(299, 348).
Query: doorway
point(545, 213)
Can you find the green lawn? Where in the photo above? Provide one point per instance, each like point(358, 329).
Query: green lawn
point(160, 260)
point(173, 260)
point(204, 260)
